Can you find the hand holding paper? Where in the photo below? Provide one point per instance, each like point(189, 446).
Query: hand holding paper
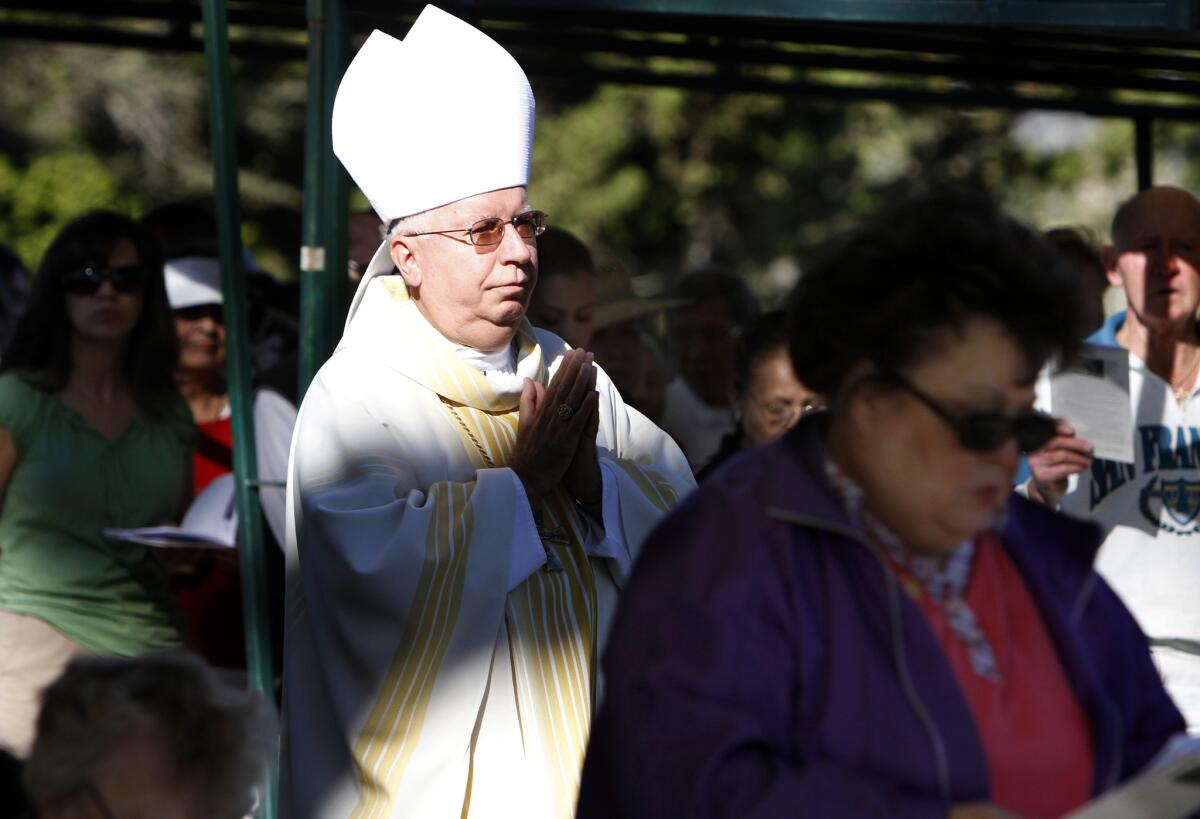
point(1093, 396)
point(1052, 466)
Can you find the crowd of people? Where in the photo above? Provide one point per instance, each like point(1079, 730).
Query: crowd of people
point(902, 588)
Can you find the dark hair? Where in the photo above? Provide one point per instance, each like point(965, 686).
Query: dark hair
point(183, 229)
point(1077, 245)
point(716, 283)
point(41, 347)
point(14, 288)
point(891, 291)
point(561, 254)
point(768, 335)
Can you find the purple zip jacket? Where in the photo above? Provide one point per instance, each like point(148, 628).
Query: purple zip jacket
point(765, 664)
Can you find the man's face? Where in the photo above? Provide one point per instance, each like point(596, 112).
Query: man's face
point(1157, 259)
point(703, 343)
point(475, 296)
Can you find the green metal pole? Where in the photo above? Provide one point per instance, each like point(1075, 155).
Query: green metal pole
point(1143, 130)
point(336, 182)
point(326, 194)
point(233, 284)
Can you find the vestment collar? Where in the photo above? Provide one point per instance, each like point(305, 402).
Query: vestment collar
point(388, 328)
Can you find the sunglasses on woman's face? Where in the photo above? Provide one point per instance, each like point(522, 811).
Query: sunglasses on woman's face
point(986, 431)
point(87, 282)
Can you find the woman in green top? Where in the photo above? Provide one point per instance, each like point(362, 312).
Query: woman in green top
point(93, 435)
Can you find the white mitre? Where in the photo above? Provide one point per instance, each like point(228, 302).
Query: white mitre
point(442, 115)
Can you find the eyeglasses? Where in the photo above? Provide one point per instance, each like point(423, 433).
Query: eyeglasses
point(985, 431)
point(87, 282)
point(490, 231)
point(784, 412)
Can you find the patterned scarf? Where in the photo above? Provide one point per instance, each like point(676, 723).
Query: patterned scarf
point(944, 579)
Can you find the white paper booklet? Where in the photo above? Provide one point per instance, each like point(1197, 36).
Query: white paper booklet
point(1170, 790)
point(1094, 397)
point(210, 522)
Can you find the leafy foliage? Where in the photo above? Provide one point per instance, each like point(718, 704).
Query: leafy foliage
point(668, 178)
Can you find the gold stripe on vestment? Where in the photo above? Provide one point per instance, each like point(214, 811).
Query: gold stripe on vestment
point(392, 730)
point(551, 622)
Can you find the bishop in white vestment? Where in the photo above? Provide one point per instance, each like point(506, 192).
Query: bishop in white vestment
point(442, 631)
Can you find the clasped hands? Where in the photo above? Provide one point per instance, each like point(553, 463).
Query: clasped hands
point(556, 433)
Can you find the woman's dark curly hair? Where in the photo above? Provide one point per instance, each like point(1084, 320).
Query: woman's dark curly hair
point(898, 288)
point(41, 346)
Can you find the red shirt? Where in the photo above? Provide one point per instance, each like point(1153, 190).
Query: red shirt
point(214, 452)
point(212, 598)
point(1036, 737)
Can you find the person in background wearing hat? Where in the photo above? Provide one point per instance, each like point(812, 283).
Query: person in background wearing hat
point(466, 493)
point(564, 300)
point(206, 585)
point(93, 436)
point(649, 389)
point(703, 335)
point(627, 353)
point(208, 589)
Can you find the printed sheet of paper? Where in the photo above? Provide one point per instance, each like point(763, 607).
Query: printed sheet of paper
point(210, 523)
point(1170, 792)
point(1093, 396)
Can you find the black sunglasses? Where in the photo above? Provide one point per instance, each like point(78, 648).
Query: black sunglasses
point(985, 431)
point(87, 282)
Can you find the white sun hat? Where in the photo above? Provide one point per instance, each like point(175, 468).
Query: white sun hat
point(193, 280)
point(442, 115)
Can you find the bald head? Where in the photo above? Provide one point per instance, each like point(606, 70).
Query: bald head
point(1153, 210)
point(1155, 259)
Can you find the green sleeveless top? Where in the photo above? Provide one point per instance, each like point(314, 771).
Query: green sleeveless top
point(71, 483)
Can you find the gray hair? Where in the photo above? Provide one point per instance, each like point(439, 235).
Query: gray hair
point(221, 739)
point(413, 223)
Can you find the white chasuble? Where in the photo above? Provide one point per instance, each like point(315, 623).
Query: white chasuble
point(441, 652)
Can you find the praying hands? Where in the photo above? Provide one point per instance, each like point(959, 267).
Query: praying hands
point(556, 434)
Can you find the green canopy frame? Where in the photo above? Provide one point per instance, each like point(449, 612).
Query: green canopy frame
point(1138, 59)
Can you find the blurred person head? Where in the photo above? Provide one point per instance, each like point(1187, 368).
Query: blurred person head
point(152, 737)
point(648, 392)
point(704, 333)
point(365, 232)
point(197, 306)
point(768, 397)
point(98, 284)
point(618, 342)
point(925, 331)
point(564, 300)
point(618, 350)
point(1155, 257)
point(1079, 249)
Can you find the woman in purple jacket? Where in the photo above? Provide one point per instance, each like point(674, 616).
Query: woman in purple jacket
point(860, 620)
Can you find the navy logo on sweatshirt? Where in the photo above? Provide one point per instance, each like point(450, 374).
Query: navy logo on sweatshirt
point(1161, 449)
